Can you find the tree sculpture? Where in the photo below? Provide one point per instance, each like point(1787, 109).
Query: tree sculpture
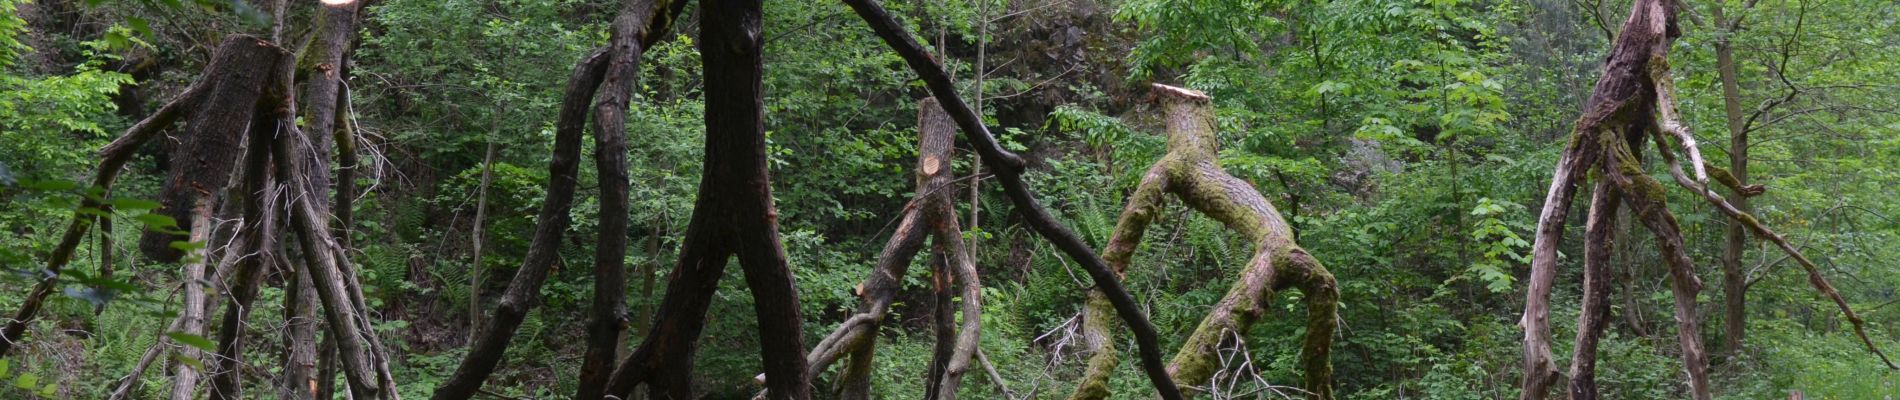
point(1633, 102)
point(733, 217)
point(1191, 172)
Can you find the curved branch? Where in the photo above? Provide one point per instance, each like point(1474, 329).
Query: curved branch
point(1008, 168)
point(487, 351)
point(1819, 282)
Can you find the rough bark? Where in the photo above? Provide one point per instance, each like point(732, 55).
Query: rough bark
point(1647, 201)
point(608, 315)
point(254, 249)
point(1008, 168)
point(962, 270)
point(731, 31)
point(1595, 315)
point(1540, 371)
point(857, 336)
point(202, 164)
point(1619, 110)
point(733, 216)
point(1191, 171)
point(523, 290)
point(323, 263)
point(301, 380)
point(336, 30)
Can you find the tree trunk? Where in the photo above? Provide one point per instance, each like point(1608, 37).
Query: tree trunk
point(608, 317)
point(942, 316)
point(857, 335)
point(523, 290)
point(730, 31)
point(487, 351)
point(1540, 371)
point(254, 249)
point(1647, 201)
point(1734, 278)
point(1191, 171)
point(1618, 112)
point(733, 216)
point(202, 164)
point(1595, 315)
point(475, 238)
point(323, 263)
point(301, 380)
point(192, 322)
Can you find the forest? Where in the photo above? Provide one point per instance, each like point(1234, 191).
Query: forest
point(940, 199)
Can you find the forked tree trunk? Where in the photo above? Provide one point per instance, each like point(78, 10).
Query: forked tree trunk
point(1008, 168)
point(1540, 371)
point(225, 98)
point(1618, 117)
point(1619, 89)
point(640, 25)
point(733, 216)
point(201, 166)
point(1191, 171)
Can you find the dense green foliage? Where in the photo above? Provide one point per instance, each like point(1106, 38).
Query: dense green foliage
point(1410, 142)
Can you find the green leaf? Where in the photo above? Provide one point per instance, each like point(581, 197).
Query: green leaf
point(156, 220)
point(143, 27)
point(192, 340)
point(133, 204)
point(27, 381)
point(193, 362)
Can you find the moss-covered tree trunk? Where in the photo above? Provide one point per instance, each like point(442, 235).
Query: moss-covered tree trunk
point(1191, 172)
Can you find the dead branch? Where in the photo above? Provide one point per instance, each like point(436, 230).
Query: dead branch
point(1008, 168)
